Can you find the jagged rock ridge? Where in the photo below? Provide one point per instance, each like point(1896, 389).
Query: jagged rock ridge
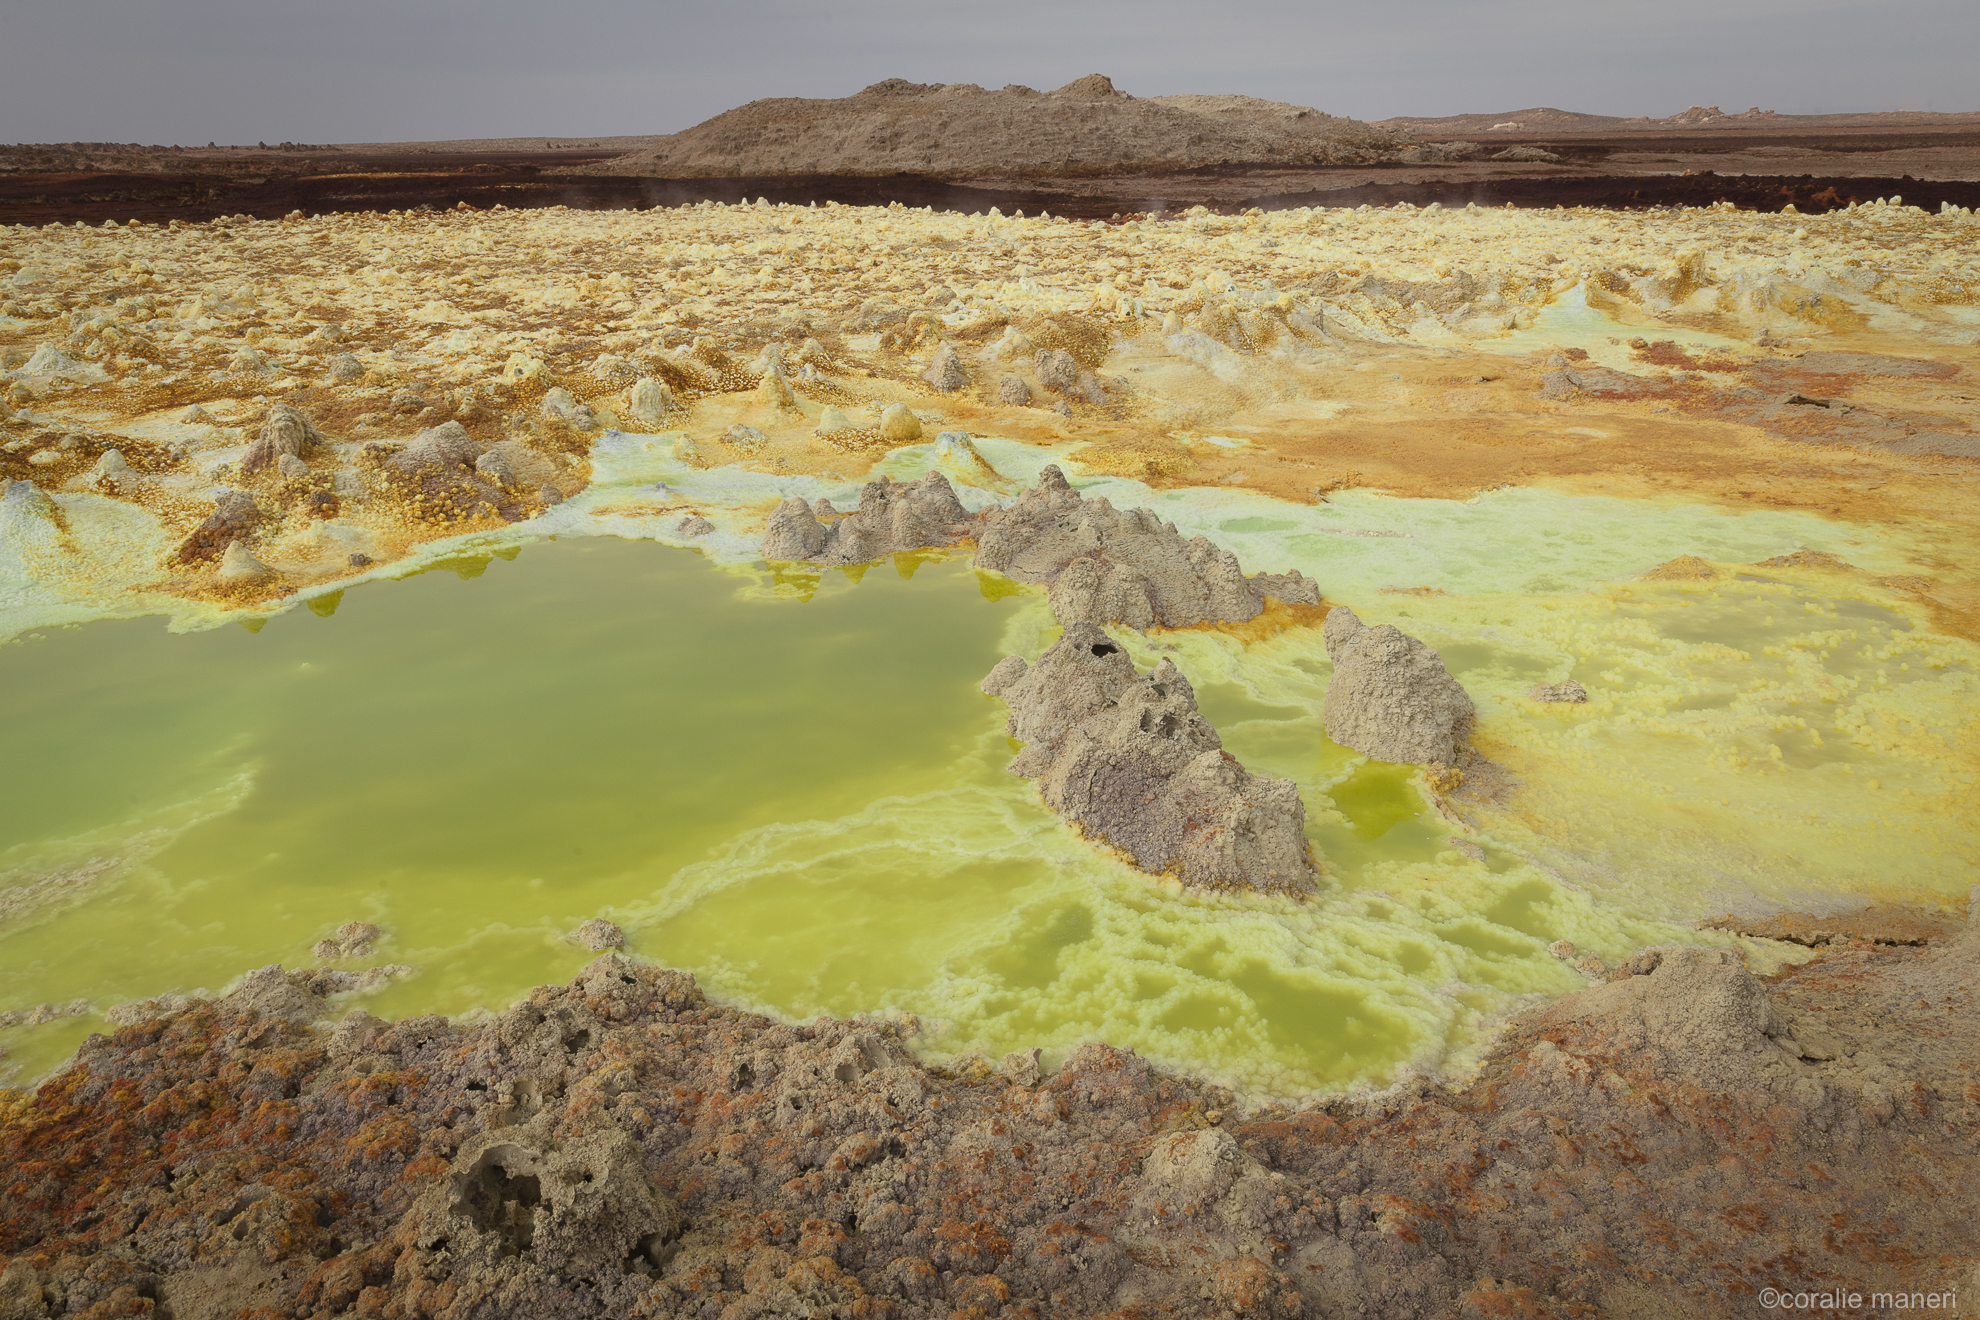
point(1130, 760)
point(1102, 564)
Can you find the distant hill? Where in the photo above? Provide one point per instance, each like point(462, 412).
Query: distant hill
point(1546, 119)
point(960, 130)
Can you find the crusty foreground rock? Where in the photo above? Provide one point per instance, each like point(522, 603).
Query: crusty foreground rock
point(893, 517)
point(1129, 760)
point(1391, 697)
point(1106, 565)
point(1086, 127)
point(1668, 1144)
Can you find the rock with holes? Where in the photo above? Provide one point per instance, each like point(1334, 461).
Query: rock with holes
point(520, 1213)
point(893, 517)
point(287, 432)
point(1012, 390)
point(1129, 759)
point(1391, 697)
point(1106, 565)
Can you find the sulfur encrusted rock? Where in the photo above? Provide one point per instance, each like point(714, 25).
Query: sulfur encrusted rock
point(1391, 697)
point(1107, 565)
point(436, 475)
point(1130, 760)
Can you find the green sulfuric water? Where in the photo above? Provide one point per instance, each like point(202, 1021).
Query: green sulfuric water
point(794, 789)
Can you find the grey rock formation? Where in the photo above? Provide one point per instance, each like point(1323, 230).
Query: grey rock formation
point(1699, 1014)
point(494, 466)
point(1013, 390)
point(291, 468)
point(520, 1213)
point(694, 525)
point(892, 517)
point(946, 372)
point(345, 368)
point(272, 993)
point(1106, 565)
point(1129, 759)
point(353, 939)
point(599, 935)
point(1391, 697)
point(1057, 370)
point(794, 533)
point(560, 405)
point(287, 431)
point(1568, 691)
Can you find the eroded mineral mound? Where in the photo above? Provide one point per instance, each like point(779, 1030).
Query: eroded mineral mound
point(1391, 697)
point(1130, 760)
point(892, 518)
point(1106, 565)
point(959, 129)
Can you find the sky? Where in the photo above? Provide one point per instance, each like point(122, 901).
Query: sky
point(246, 71)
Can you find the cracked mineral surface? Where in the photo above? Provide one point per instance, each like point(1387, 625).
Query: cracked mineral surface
point(1598, 1015)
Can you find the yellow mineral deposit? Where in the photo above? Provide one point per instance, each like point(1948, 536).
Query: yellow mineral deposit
point(1714, 467)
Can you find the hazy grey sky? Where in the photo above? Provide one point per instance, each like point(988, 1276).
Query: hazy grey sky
point(397, 70)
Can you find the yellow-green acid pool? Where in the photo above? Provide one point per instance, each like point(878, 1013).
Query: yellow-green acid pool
point(796, 791)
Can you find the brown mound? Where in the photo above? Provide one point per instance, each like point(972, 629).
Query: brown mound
point(959, 129)
point(1805, 559)
point(1685, 568)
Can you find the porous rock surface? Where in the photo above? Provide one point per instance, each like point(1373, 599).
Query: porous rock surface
point(1668, 1143)
point(1130, 760)
point(1391, 697)
point(1107, 565)
point(892, 517)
